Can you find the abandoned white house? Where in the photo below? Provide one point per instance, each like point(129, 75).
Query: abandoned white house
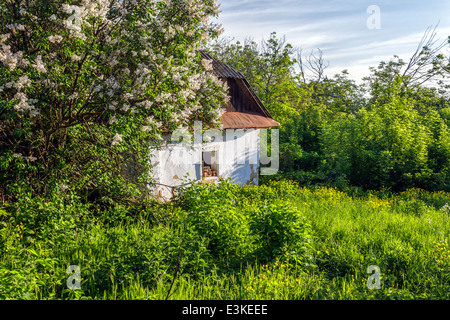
point(232, 153)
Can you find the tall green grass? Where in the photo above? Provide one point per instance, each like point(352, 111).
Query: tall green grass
point(126, 253)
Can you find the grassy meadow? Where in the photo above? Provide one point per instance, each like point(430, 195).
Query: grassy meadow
point(275, 241)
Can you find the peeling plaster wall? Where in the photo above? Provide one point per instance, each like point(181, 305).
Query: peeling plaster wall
point(240, 159)
point(173, 167)
point(176, 165)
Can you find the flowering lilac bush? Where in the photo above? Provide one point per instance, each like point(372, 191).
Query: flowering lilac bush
point(87, 84)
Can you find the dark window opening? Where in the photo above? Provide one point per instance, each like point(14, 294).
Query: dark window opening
point(210, 164)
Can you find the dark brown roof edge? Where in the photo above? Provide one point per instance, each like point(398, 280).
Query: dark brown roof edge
point(257, 100)
point(221, 69)
point(244, 120)
point(224, 71)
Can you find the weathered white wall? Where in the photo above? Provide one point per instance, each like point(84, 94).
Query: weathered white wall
point(173, 166)
point(176, 165)
point(240, 158)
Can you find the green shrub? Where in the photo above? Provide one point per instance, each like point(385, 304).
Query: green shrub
point(44, 219)
point(271, 190)
point(31, 274)
point(413, 207)
point(213, 213)
point(256, 223)
point(281, 231)
point(111, 259)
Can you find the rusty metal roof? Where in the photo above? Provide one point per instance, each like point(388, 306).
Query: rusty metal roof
point(240, 120)
point(221, 69)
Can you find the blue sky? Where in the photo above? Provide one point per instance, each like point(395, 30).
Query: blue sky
point(338, 27)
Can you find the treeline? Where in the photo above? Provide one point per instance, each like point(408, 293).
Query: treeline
point(389, 131)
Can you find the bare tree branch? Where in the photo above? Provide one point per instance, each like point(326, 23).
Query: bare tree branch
point(428, 62)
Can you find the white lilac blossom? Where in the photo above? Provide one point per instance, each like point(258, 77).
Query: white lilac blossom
point(117, 139)
point(140, 74)
point(73, 96)
point(113, 105)
point(112, 120)
point(16, 26)
point(3, 37)
point(75, 57)
point(23, 81)
point(34, 113)
point(446, 208)
point(8, 58)
point(39, 65)
point(55, 39)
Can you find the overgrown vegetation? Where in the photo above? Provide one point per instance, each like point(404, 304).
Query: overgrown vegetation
point(276, 241)
point(365, 172)
point(389, 131)
point(86, 87)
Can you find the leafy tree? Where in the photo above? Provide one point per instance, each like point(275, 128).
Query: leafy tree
point(391, 130)
point(85, 85)
point(269, 68)
point(390, 144)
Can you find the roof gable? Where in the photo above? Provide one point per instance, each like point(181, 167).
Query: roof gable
point(245, 109)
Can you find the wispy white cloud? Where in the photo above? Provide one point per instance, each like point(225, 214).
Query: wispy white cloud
point(338, 27)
